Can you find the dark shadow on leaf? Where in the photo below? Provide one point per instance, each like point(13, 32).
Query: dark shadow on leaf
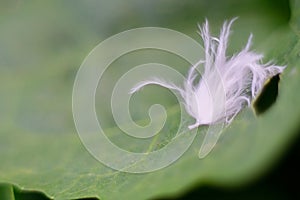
point(267, 96)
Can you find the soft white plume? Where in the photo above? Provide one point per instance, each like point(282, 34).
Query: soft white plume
point(227, 85)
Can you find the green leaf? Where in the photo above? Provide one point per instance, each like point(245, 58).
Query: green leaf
point(40, 149)
point(6, 192)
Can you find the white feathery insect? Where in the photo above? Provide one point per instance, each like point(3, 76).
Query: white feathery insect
point(227, 85)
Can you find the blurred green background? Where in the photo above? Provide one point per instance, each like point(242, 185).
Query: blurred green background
point(42, 45)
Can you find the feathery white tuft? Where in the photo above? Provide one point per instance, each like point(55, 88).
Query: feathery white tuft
point(227, 84)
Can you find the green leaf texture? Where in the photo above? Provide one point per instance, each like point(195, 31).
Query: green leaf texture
point(41, 48)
